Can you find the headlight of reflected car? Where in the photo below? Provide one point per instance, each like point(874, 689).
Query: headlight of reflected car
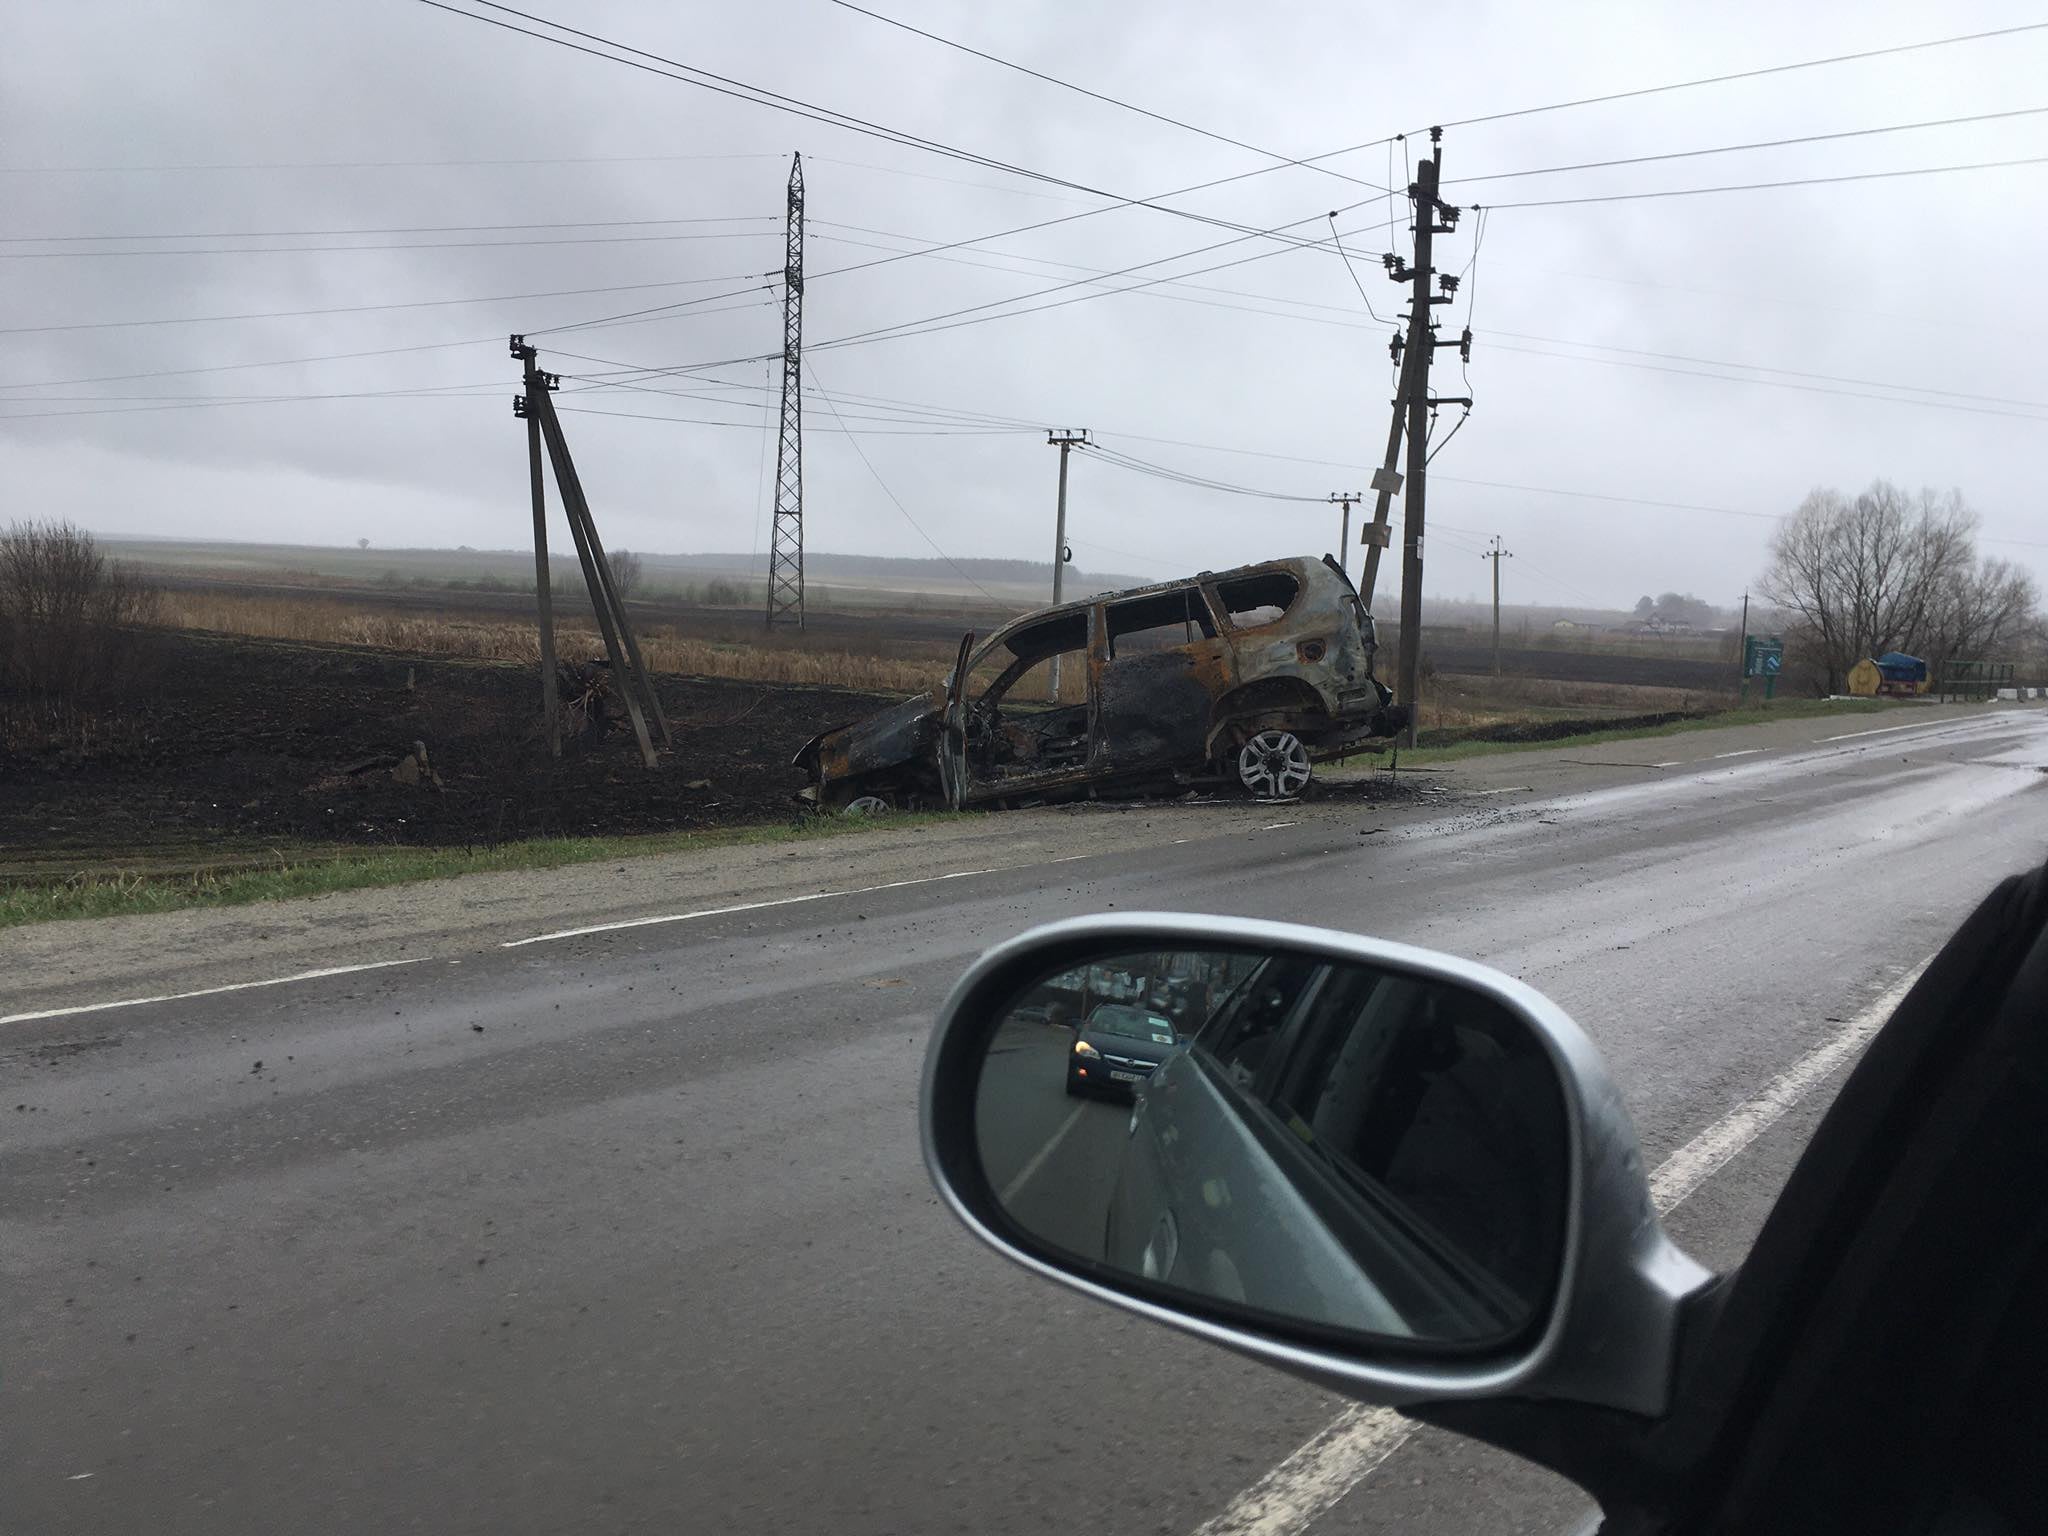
point(1083, 1048)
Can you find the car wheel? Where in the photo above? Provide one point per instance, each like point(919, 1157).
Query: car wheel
point(867, 805)
point(1273, 765)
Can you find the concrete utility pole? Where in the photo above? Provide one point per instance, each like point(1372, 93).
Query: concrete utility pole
point(1420, 348)
point(1496, 555)
point(550, 695)
point(1066, 439)
point(1347, 500)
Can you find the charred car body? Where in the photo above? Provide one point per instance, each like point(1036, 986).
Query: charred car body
point(1246, 676)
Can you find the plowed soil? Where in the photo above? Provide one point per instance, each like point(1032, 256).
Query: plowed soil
point(245, 740)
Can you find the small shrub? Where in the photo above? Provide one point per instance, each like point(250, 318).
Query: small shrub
point(66, 613)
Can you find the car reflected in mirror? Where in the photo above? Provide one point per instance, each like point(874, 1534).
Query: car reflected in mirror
point(1287, 1138)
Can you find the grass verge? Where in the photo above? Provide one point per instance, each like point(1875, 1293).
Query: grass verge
point(1760, 714)
point(113, 892)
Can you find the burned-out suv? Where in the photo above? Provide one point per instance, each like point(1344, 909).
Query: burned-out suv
point(1245, 676)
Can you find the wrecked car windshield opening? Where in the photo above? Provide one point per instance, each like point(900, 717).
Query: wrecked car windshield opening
point(1154, 623)
point(1254, 600)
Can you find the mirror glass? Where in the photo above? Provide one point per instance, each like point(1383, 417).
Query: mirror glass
point(1314, 1142)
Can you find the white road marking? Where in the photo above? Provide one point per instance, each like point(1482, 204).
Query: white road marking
point(1070, 858)
point(1024, 1174)
point(744, 906)
point(1512, 789)
point(1278, 825)
point(1738, 752)
point(1676, 763)
point(1714, 1148)
point(1317, 1475)
point(1347, 1449)
point(1886, 730)
point(233, 986)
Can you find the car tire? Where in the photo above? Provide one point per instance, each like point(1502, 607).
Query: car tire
point(1273, 765)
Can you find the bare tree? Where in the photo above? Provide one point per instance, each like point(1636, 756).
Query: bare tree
point(626, 571)
point(64, 612)
point(1889, 572)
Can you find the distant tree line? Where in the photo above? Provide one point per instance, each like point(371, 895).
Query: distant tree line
point(1889, 571)
point(1675, 608)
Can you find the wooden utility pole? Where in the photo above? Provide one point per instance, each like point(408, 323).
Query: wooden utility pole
point(1496, 555)
point(1421, 346)
point(1065, 440)
point(1347, 500)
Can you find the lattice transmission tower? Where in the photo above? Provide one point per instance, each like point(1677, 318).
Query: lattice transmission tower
point(786, 546)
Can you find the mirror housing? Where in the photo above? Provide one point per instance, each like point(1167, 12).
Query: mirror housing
point(1609, 1338)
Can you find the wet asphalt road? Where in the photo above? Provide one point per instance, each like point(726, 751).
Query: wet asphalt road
point(628, 1232)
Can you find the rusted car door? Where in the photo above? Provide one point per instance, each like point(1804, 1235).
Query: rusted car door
point(1019, 740)
point(952, 743)
point(1159, 667)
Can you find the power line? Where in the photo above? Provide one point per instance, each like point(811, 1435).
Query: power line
point(1766, 186)
point(366, 165)
point(1711, 362)
point(759, 96)
point(408, 245)
point(927, 323)
point(894, 499)
point(1114, 101)
point(706, 421)
point(401, 229)
point(1748, 74)
point(1729, 149)
point(1811, 389)
point(1182, 477)
point(364, 309)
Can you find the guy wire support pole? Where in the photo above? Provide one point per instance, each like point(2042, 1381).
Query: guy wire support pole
point(1065, 440)
point(1347, 500)
point(537, 382)
point(629, 675)
point(786, 540)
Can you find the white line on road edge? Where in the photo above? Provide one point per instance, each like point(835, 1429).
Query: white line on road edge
point(1886, 730)
point(744, 906)
point(1512, 789)
point(1738, 752)
point(1278, 825)
point(1341, 1455)
point(233, 986)
point(1707, 1153)
point(1038, 1158)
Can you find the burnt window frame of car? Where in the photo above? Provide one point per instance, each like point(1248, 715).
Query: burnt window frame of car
point(1196, 612)
point(1022, 664)
point(970, 1172)
point(1213, 586)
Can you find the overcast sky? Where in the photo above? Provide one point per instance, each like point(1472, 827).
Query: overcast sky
point(1624, 349)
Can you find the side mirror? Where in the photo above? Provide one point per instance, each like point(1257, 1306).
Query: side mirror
point(1394, 1172)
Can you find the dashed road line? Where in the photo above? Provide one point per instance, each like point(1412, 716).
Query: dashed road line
point(233, 986)
point(1738, 752)
point(743, 906)
point(1886, 730)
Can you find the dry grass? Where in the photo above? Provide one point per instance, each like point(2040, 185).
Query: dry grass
point(1468, 702)
point(334, 621)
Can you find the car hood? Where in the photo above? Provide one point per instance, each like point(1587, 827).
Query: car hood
point(1141, 1048)
point(889, 738)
